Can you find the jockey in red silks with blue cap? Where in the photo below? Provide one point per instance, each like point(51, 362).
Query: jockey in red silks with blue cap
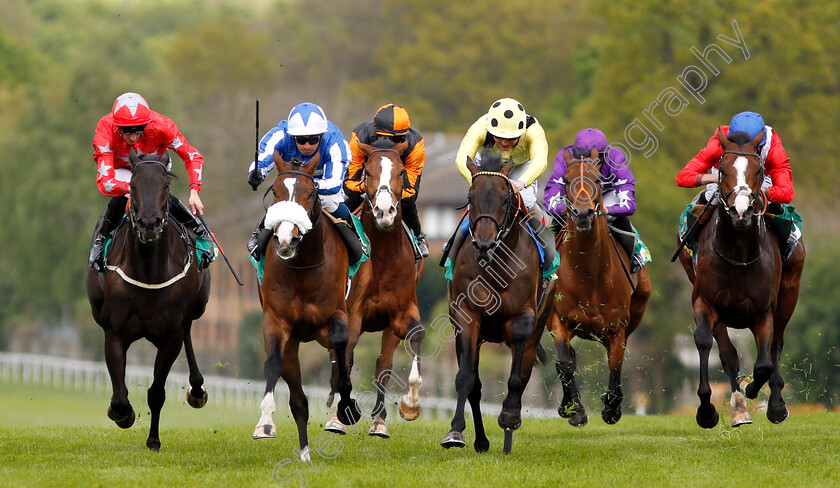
point(778, 182)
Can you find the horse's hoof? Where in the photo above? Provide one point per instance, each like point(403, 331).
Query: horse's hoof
point(334, 426)
point(265, 431)
point(740, 420)
point(611, 416)
point(579, 419)
point(408, 413)
point(481, 445)
point(124, 421)
point(706, 419)
point(566, 410)
point(348, 412)
point(197, 402)
point(453, 439)
point(777, 415)
point(379, 429)
point(510, 420)
point(153, 444)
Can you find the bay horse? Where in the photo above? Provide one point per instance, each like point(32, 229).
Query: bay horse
point(740, 282)
point(302, 295)
point(383, 297)
point(596, 298)
point(493, 297)
point(151, 288)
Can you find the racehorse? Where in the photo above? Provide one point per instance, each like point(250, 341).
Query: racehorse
point(151, 288)
point(740, 282)
point(596, 298)
point(302, 295)
point(383, 297)
point(493, 297)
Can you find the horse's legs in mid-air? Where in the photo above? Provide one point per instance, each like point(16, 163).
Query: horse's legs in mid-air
point(613, 397)
point(120, 410)
point(732, 366)
point(348, 410)
point(166, 355)
point(763, 332)
point(409, 407)
point(481, 444)
point(570, 406)
point(196, 395)
point(465, 350)
point(522, 329)
point(382, 375)
point(333, 424)
point(707, 415)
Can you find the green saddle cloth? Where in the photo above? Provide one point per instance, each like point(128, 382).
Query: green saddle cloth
point(202, 246)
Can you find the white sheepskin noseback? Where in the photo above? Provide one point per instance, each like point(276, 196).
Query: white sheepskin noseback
point(287, 212)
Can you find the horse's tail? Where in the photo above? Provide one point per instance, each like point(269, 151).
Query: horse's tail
point(540, 356)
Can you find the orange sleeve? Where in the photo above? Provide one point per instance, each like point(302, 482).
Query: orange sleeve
point(357, 161)
point(414, 163)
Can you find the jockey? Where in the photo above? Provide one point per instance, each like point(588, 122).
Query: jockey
point(306, 132)
point(778, 182)
point(617, 186)
point(391, 122)
point(507, 129)
point(133, 126)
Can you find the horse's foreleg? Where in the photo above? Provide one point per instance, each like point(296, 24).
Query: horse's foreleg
point(197, 395)
point(409, 407)
point(731, 365)
point(777, 411)
point(298, 403)
point(348, 410)
point(156, 395)
point(614, 396)
point(570, 406)
point(274, 338)
point(522, 329)
point(120, 410)
point(465, 350)
point(381, 378)
point(481, 444)
point(763, 332)
point(707, 416)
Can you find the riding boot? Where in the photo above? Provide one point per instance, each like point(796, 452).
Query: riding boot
point(453, 245)
point(355, 247)
point(412, 219)
point(106, 224)
point(259, 240)
point(183, 215)
point(627, 239)
point(544, 235)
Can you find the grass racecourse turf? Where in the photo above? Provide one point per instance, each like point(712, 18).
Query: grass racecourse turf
point(52, 437)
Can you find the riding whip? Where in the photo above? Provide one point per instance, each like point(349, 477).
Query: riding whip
point(688, 233)
point(235, 274)
point(256, 141)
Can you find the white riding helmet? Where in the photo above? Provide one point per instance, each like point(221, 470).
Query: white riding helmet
point(506, 118)
point(306, 119)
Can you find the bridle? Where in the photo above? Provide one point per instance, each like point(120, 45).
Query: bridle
point(384, 188)
point(582, 190)
point(132, 214)
point(314, 214)
point(507, 224)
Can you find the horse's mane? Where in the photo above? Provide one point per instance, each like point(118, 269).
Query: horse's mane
point(739, 138)
point(383, 143)
point(490, 160)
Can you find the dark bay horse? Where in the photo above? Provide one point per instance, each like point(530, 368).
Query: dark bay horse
point(302, 295)
point(493, 297)
point(383, 297)
point(740, 282)
point(595, 297)
point(151, 288)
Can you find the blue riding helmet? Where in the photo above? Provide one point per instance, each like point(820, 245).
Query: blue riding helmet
point(750, 122)
point(306, 119)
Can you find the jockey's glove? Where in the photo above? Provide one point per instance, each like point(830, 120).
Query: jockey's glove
point(255, 178)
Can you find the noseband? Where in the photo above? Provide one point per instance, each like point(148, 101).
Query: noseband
point(507, 224)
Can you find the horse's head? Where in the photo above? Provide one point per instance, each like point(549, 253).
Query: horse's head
point(149, 202)
point(741, 176)
point(296, 206)
point(385, 177)
point(492, 202)
point(584, 202)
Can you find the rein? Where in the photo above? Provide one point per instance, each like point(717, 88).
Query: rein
point(739, 264)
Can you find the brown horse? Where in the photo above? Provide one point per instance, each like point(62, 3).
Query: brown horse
point(302, 295)
point(383, 297)
point(740, 282)
point(493, 297)
point(151, 288)
point(596, 298)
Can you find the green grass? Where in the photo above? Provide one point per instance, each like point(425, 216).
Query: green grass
point(54, 437)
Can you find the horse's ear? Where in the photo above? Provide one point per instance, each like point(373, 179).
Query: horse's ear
point(402, 146)
point(722, 138)
point(757, 140)
point(310, 166)
point(593, 154)
point(278, 160)
point(566, 156)
point(366, 148)
point(471, 166)
point(507, 167)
